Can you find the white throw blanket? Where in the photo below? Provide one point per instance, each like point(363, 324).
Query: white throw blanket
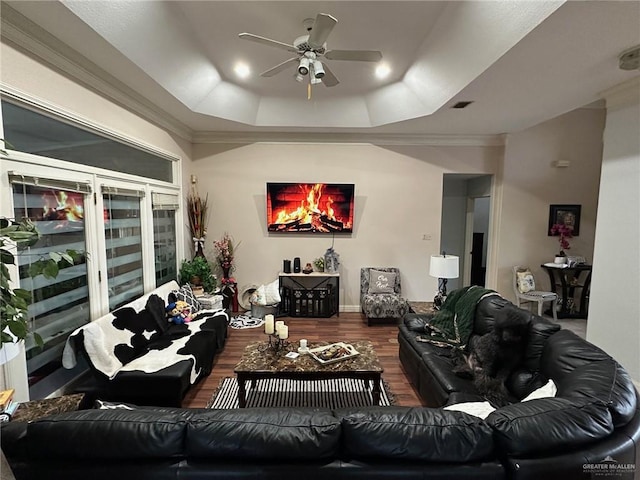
point(101, 339)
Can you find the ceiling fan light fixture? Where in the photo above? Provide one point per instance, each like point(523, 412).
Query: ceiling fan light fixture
point(303, 67)
point(318, 69)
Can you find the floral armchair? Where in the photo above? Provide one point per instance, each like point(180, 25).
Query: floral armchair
point(380, 294)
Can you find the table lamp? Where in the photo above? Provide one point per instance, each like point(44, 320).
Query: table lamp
point(442, 267)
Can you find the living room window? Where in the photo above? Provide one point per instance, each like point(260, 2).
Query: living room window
point(123, 239)
point(61, 304)
point(165, 207)
point(33, 132)
point(123, 215)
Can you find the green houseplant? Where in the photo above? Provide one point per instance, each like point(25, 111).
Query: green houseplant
point(198, 272)
point(15, 301)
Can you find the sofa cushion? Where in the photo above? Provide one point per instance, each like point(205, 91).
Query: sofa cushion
point(441, 367)
point(581, 369)
point(521, 382)
point(418, 434)
point(528, 378)
point(548, 425)
point(268, 434)
point(109, 434)
point(486, 311)
point(185, 293)
point(540, 330)
point(564, 351)
point(606, 381)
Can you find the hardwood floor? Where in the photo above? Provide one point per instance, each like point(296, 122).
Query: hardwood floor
point(347, 327)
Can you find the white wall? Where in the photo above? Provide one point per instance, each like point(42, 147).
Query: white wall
point(530, 183)
point(398, 200)
point(614, 312)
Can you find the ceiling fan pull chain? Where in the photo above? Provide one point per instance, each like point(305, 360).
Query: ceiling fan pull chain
point(309, 91)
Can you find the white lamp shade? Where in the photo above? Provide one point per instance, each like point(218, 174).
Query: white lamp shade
point(443, 266)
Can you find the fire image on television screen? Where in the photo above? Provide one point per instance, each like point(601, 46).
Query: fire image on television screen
point(310, 207)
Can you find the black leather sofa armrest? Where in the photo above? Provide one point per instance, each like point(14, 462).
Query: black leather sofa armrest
point(549, 425)
point(415, 322)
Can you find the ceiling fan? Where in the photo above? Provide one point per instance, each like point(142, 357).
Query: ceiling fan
point(310, 48)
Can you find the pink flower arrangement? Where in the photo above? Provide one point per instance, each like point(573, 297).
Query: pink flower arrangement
point(564, 233)
point(224, 253)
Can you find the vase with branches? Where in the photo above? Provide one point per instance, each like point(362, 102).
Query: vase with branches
point(197, 210)
point(225, 251)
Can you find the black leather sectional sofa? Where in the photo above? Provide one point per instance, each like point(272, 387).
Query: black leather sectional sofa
point(594, 417)
point(592, 422)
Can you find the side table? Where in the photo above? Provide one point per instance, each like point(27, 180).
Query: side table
point(35, 409)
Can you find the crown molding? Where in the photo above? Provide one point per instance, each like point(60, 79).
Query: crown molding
point(352, 138)
point(25, 34)
point(623, 95)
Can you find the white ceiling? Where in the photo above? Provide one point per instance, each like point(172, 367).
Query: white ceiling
point(520, 62)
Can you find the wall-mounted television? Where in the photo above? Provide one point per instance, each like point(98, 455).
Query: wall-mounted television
point(310, 207)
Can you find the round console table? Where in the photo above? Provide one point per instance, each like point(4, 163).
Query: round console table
point(568, 282)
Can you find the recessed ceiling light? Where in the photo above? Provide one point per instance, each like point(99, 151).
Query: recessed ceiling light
point(383, 71)
point(242, 70)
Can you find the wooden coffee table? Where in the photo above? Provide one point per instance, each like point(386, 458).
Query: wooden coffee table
point(260, 362)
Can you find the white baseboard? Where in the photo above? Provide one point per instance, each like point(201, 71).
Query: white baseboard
point(350, 308)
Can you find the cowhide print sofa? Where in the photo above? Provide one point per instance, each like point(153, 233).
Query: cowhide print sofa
point(135, 354)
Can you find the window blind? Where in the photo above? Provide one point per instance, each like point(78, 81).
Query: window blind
point(66, 185)
point(165, 201)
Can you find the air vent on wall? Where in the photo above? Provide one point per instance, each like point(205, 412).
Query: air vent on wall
point(461, 104)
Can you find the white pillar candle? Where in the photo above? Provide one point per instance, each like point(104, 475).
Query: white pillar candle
point(283, 333)
point(279, 325)
point(268, 324)
point(303, 343)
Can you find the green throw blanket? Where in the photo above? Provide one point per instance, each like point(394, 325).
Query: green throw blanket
point(453, 324)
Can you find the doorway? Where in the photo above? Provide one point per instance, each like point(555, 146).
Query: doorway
point(466, 206)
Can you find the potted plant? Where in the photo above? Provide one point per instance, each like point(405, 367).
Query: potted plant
point(198, 272)
point(15, 301)
point(564, 233)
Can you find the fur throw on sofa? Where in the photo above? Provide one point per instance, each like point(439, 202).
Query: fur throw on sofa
point(453, 324)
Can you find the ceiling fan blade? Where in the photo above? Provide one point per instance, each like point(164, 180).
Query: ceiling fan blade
point(280, 67)
point(268, 42)
point(356, 55)
point(329, 79)
point(321, 29)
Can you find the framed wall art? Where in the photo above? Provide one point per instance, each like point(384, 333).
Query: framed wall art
point(568, 215)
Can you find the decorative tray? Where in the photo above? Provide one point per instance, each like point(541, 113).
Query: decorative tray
point(335, 352)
